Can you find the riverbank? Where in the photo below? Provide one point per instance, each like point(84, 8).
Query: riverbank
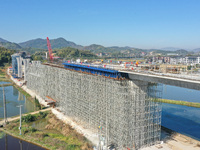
point(176, 102)
point(55, 135)
point(3, 75)
point(4, 85)
point(171, 140)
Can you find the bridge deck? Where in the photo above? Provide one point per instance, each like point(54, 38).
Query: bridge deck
point(186, 83)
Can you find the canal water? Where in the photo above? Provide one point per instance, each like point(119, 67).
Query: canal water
point(13, 99)
point(8, 142)
point(2, 82)
point(182, 119)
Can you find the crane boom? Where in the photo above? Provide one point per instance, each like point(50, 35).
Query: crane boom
point(49, 49)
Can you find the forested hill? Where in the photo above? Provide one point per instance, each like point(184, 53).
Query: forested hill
point(10, 45)
point(55, 43)
point(5, 55)
point(2, 40)
point(69, 52)
point(38, 45)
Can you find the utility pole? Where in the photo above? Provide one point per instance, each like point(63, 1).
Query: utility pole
point(20, 126)
point(4, 102)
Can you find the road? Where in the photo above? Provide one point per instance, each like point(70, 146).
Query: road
point(18, 117)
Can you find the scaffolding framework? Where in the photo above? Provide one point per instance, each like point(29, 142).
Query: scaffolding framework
point(122, 112)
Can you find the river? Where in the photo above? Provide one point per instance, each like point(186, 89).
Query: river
point(182, 119)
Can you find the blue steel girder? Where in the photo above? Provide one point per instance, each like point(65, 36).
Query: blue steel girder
point(93, 70)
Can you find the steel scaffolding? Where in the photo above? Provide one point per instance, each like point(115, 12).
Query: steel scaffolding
point(122, 112)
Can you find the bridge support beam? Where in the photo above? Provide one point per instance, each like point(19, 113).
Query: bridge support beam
point(185, 83)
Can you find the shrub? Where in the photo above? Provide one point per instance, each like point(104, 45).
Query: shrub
point(37, 104)
point(28, 118)
point(31, 129)
point(43, 114)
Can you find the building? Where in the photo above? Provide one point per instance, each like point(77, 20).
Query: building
point(185, 60)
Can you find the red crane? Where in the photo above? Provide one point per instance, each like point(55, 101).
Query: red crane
point(50, 50)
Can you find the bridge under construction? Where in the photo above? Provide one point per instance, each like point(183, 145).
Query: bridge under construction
point(121, 111)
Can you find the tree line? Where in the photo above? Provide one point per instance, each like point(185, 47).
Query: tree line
point(5, 55)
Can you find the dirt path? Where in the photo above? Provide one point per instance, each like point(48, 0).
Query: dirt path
point(176, 141)
point(18, 117)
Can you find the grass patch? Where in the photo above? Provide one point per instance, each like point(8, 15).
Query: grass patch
point(3, 76)
point(49, 139)
point(176, 102)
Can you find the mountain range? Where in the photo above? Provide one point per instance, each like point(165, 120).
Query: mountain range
point(2, 40)
point(41, 44)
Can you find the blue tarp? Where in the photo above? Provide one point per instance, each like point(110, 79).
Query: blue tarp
point(93, 70)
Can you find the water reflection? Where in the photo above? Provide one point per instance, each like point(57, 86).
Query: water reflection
point(15, 92)
point(179, 93)
point(13, 99)
point(182, 119)
point(8, 142)
point(39, 124)
point(2, 82)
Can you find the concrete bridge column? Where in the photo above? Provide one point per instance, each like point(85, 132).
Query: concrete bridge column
point(19, 65)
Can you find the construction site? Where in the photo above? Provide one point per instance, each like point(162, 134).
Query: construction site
point(120, 111)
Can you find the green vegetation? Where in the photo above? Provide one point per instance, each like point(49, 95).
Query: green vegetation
point(38, 56)
point(56, 134)
point(3, 76)
point(5, 55)
point(32, 50)
point(69, 52)
point(37, 104)
point(190, 104)
point(30, 118)
point(10, 45)
point(4, 85)
point(189, 67)
point(1, 135)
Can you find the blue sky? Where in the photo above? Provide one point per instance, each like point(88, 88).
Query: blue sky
point(136, 23)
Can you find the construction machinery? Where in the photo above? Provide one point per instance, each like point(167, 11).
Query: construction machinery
point(49, 49)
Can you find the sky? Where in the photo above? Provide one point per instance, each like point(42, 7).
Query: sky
point(136, 23)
